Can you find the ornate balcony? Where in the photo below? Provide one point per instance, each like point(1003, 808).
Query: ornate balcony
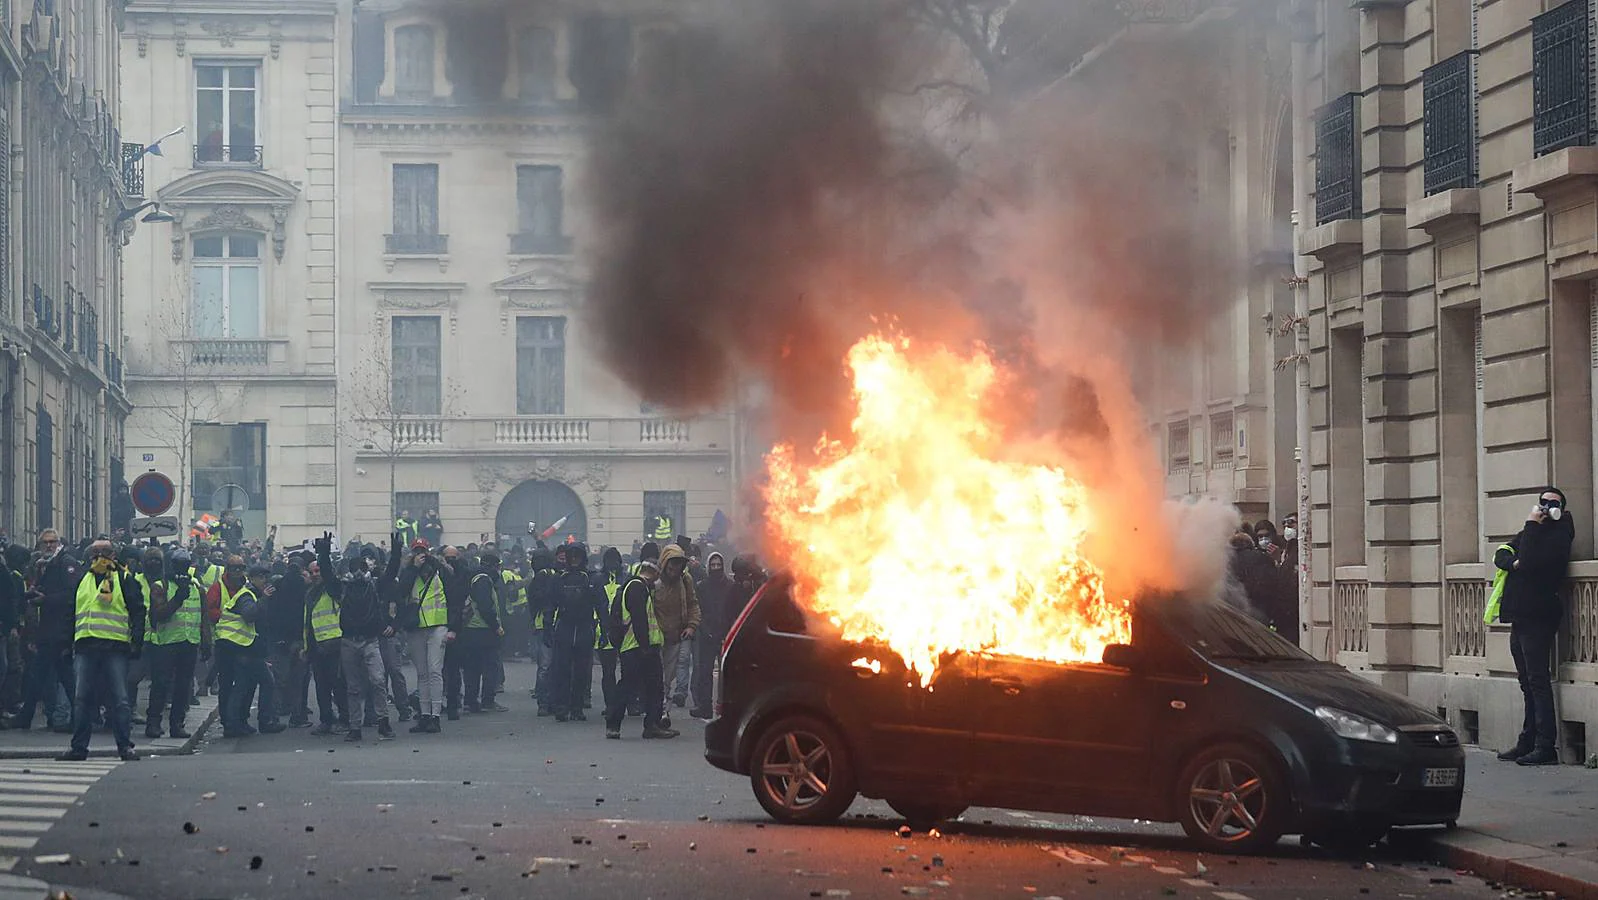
point(133, 169)
point(417, 244)
point(1337, 169)
point(1562, 114)
point(540, 245)
point(244, 156)
point(443, 436)
point(1450, 123)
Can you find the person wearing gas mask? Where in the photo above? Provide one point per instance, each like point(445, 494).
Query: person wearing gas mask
point(1535, 562)
point(109, 630)
point(424, 616)
point(172, 642)
point(363, 623)
point(577, 613)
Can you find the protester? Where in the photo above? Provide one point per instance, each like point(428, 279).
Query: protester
point(636, 631)
point(109, 629)
point(424, 617)
point(431, 529)
point(577, 612)
point(1536, 560)
point(323, 638)
point(677, 606)
point(609, 579)
point(363, 622)
point(54, 596)
point(172, 643)
point(716, 598)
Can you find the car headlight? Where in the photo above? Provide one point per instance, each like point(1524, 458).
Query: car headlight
point(1356, 728)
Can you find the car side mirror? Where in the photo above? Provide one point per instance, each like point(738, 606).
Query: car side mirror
point(1123, 656)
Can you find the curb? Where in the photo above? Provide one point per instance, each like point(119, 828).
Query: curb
point(1522, 865)
point(188, 748)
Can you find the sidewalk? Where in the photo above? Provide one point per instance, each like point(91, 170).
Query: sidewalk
point(42, 743)
point(1529, 827)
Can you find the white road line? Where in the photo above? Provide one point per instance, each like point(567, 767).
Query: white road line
point(25, 827)
point(31, 812)
point(17, 843)
point(52, 777)
point(43, 788)
point(56, 799)
point(1231, 895)
point(7, 863)
point(1198, 883)
point(1163, 870)
point(33, 796)
point(1074, 856)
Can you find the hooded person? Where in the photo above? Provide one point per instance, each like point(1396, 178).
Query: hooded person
point(677, 607)
point(611, 576)
point(716, 606)
point(1536, 562)
point(579, 605)
point(468, 662)
point(541, 602)
point(635, 630)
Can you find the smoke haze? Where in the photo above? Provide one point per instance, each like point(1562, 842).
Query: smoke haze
point(788, 175)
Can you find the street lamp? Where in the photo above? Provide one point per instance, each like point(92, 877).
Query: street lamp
point(154, 215)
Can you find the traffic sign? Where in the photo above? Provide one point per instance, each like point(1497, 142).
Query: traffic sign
point(152, 493)
point(153, 527)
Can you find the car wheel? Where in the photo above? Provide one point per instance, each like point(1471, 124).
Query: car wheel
point(801, 771)
point(1231, 799)
point(922, 814)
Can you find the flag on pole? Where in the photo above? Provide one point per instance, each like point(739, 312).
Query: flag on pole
point(549, 532)
point(154, 148)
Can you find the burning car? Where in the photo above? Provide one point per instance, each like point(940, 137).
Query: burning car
point(1205, 718)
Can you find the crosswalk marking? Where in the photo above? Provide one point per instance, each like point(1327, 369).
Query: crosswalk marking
point(35, 795)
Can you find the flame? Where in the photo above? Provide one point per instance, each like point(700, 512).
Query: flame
point(918, 533)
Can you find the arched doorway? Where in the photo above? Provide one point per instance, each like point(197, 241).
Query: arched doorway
point(541, 503)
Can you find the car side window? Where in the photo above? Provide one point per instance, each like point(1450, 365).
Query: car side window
point(784, 616)
point(1166, 657)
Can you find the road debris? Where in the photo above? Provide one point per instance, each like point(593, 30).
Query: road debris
point(190, 828)
point(53, 859)
point(256, 862)
point(208, 795)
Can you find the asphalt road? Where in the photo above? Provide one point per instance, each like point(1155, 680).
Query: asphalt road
point(508, 805)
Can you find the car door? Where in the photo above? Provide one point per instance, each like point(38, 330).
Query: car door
point(1064, 737)
point(910, 739)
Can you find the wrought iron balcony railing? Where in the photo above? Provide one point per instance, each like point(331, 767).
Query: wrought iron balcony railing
point(1337, 169)
point(540, 244)
point(242, 155)
point(1450, 123)
point(133, 169)
point(1561, 78)
point(417, 243)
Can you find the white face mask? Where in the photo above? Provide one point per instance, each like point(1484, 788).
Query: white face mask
point(1556, 512)
point(1289, 533)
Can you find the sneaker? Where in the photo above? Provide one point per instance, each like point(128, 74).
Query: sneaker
point(138, 719)
point(405, 714)
point(473, 708)
point(73, 756)
point(659, 734)
point(665, 723)
point(704, 715)
point(323, 730)
point(299, 723)
point(454, 715)
point(152, 731)
point(20, 724)
point(612, 734)
point(128, 754)
point(236, 732)
point(433, 727)
point(340, 728)
point(180, 733)
point(1539, 758)
point(354, 737)
point(420, 727)
point(496, 707)
point(273, 728)
point(1516, 752)
point(385, 732)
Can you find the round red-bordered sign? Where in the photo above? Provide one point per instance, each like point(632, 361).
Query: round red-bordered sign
point(152, 493)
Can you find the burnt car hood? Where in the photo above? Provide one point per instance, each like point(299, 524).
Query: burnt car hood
point(1313, 684)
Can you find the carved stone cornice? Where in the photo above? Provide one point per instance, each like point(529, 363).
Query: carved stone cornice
point(229, 217)
point(226, 31)
point(588, 481)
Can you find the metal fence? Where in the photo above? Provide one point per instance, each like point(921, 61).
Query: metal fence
point(1351, 620)
point(1561, 77)
point(1337, 169)
point(1450, 123)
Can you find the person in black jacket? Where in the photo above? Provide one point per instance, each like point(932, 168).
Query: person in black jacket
point(578, 605)
point(716, 614)
point(283, 629)
point(53, 598)
point(363, 618)
point(1536, 560)
point(468, 660)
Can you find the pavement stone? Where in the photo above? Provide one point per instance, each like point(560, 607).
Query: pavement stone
point(40, 742)
point(1533, 827)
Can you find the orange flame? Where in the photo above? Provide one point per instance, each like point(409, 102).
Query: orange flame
point(918, 533)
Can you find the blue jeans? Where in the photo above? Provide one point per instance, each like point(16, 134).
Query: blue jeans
point(101, 677)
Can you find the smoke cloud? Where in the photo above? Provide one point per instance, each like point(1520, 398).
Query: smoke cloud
point(786, 176)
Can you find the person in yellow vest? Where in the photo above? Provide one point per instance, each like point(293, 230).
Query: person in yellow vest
point(424, 615)
point(478, 643)
point(541, 605)
point(637, 634)
point(407, 529)
point(240, 652)
point(610, 577)
point(518, 625)
point(173, 641)
point(207, 570)
point(665, 528)
point(107, 632)
point(322, 641)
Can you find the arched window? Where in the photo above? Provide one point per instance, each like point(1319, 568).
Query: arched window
point(227, 287)
point(535, 60)
point(413, 62)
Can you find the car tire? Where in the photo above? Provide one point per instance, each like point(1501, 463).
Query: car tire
point(801, 771)
point(1232, 798)
point(922, 814)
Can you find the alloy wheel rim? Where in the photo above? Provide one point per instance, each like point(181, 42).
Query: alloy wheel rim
point(797, 770)
point(1227, 800)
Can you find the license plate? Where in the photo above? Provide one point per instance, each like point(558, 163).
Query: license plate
point(1440, 778)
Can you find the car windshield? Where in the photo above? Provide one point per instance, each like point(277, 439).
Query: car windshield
point(1221, 633)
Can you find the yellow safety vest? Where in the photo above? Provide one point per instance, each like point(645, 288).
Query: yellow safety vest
point(1495, 596)
point(657, 638)
point(102, 611)
point(433, 611)
point(663, 528)
point(209, 576)
point(519, 600)
point(324, 619)
point(231, 626)
point(184, 625)
point(475, 619)
point(611, 588)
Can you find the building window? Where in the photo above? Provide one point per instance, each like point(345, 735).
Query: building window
point(1337, 170)
point(225, 113)
point(1223, 440)
point(540, 207)
point(417, 503)
point(536, 63)
point(1450, 123)
point(540, 366)
point(1179, 447)
point(413, 62)
point(89, 523)
point(44, 468)
point(673, 506)
point(227, 287)
point(416, 380)
point(1561, 79)
point(601, 59)
point(416, 209)
point(1346, 382)
point(229, 468)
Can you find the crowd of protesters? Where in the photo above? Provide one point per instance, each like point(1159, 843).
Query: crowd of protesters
point(1264, 565)
point(269, 630)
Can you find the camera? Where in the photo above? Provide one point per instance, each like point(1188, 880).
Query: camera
point(532, 527)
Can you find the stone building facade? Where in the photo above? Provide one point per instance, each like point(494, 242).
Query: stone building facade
point(62, 190)
point(1447, 150)
point(467, 379)
point(231, 326)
